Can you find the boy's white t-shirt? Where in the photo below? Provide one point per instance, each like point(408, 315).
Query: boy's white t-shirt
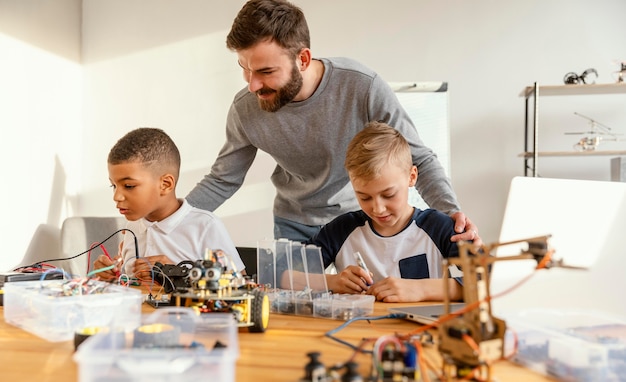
point(184, 235)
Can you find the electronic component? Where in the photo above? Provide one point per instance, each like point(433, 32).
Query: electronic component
point(394, 357)
point(315, 371)
point(392, 360)
point(208, 286)
point(395, 360)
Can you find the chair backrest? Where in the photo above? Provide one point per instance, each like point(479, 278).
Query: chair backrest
point(80, 233)
point(44, 245)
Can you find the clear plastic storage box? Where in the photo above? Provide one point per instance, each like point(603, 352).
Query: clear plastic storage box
point(42, 308)
point(172, 344)
point(295, 278)
point(570, 345)
point(344, 306)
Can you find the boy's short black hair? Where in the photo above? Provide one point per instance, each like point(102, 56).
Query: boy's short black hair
point(147, 145)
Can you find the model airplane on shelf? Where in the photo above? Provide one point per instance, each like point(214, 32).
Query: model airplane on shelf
point(597, 133)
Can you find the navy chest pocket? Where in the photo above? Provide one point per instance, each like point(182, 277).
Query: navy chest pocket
point(415, 267)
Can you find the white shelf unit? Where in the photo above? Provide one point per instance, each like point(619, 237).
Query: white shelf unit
point(531, 153)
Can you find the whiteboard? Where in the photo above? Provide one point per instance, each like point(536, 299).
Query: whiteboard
point(427, 106)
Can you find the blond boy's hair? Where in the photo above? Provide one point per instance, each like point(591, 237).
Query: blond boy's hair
point(374, 148)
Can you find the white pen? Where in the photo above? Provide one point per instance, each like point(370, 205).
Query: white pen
point(361, 263)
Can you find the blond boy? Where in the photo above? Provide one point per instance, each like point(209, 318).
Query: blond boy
point(402, 246)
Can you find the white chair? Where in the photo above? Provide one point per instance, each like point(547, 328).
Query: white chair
point(80, 233)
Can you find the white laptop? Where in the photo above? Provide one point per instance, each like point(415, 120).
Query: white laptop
point(587, 224)
point(587, 221)
point(425, 314)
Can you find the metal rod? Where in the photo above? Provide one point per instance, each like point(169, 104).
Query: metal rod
point(536, 132)
point(526, 134)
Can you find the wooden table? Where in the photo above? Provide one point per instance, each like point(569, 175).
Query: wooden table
point(277, 355)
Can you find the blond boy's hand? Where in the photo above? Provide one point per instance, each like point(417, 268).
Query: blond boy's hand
point(393, 289)
point(353, 279)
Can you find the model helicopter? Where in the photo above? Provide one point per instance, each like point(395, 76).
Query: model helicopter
point(597, 133)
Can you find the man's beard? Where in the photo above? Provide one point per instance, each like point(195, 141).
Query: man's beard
point(283, 95)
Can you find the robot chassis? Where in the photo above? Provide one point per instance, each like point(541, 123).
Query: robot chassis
point(209, 287)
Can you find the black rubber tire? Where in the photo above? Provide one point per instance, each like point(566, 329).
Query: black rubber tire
point(260, 311)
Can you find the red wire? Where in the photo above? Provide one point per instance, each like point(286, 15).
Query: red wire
point(96, 245)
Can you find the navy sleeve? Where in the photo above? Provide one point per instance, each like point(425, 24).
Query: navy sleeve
point(332, 235)
point(440, 228)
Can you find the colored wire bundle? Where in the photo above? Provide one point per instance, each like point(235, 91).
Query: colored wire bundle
point(88, 251)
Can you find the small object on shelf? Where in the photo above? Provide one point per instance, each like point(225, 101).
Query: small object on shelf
point(573, 78)
point(596, 134)
point(531, 151)
point(621, 73)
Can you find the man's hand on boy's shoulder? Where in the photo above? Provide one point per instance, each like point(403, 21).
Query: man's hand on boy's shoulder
point(465, 229)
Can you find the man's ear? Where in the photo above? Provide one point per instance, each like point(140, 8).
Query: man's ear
point(304, 58)
point(168, 183)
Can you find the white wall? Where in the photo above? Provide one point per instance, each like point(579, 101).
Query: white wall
point(163, 63)
point(488, 51)
point(40, 112)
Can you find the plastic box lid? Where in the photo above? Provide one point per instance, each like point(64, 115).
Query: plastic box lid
point(570, 344)
point(42, 308)
point(172, 344)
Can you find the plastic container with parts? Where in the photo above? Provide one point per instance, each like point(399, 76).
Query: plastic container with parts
point(56, 309)
point(171, 344)
point(572, 345)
